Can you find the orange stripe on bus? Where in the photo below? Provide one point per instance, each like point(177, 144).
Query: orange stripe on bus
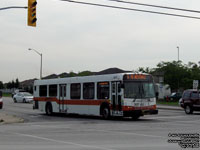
point(71, 102)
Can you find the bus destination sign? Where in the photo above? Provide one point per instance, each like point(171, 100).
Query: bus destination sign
point(135, 77)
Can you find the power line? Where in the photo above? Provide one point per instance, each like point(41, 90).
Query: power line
point(12, 7)
point(157, 6)
point(131, 9)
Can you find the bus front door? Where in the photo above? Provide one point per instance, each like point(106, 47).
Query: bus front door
point(62, 106)
point(116, 98)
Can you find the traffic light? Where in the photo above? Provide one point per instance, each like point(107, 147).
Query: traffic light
point(32, 13)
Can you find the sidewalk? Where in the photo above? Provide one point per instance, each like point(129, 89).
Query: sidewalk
point(167, 107)
point(6, 119)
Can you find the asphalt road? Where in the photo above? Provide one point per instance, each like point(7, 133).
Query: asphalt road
point(72, 132)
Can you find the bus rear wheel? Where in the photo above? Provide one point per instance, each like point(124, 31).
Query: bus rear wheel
point(49, 110)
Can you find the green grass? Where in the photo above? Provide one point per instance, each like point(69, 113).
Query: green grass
point(7, 94)
point(168, 103)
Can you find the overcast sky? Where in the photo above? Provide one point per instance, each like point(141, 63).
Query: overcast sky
point(75, 37)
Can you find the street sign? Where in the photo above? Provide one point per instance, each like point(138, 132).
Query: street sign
point(195, 84)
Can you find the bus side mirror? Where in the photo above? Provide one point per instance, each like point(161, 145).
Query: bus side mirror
point(156, 94)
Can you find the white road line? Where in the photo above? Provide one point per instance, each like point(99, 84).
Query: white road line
point(63, 142)
point(164, 117)
point(131, 133)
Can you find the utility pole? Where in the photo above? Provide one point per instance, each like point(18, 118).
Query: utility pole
point(40, 61)
point(178, 52)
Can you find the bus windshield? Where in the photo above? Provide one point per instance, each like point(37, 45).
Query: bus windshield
point(139, 90)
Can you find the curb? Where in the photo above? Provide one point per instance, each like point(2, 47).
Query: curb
point(169, 107)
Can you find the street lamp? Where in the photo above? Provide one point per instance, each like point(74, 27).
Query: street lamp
point(178, 52)
point(41, 60)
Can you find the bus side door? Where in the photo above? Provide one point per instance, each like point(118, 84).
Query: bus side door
point(116, 96)
point(62, 105)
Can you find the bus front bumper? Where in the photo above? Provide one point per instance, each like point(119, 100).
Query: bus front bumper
point(150, 112)
point(140, 112)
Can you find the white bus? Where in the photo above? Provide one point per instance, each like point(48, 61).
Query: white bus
point(122, 94)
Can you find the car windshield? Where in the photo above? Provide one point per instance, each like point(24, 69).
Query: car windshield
point(173, 94)
point(139, 90)
point(27, 94)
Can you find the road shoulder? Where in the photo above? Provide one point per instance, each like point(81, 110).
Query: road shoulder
point(7, 119)
point(160, 106)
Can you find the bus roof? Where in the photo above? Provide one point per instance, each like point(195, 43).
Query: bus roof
point(81, 79)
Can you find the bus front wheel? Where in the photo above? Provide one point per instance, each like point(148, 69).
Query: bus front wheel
point(135, 117)
point(49, 109)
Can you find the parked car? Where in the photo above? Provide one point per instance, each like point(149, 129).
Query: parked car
point(24, 97)
point(175, 96)
point(190, 101)
point(1, 100)
point(180, 102)
point(17, 91)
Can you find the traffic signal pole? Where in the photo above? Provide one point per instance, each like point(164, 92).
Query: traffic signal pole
point(11, 7)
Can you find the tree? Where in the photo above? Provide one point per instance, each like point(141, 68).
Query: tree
point(85, 73)
point(13, 84)
point(178, 75)
point(72, 74)
point(16, 83)
point(1, 85)
point(145, 70)
point(9, 85)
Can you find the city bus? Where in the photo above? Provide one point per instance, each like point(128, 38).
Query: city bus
point(122, 94)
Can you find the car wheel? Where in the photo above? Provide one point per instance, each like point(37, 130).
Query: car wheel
point(15, 101)
point(106, 113)
point(188, 109)
point(24, 100)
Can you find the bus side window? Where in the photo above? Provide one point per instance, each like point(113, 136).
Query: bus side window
point(103, 90)
point(88, 90)
point(43, 90)
point(53, 90)
point(75, 91)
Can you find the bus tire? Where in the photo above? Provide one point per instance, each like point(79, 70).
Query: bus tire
point(105, 112)
point(49, 110)
point(135, 117)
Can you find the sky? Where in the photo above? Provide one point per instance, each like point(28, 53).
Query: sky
point(75, 37)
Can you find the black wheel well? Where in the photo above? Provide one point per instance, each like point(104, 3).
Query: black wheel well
point(103, 105)
point(47, 104)
point(187, 104)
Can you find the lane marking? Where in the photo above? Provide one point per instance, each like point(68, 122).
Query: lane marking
point(63, 142)
point(164, 117)
point(131, 133)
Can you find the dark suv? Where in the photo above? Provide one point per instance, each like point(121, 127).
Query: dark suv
point(190, 101)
